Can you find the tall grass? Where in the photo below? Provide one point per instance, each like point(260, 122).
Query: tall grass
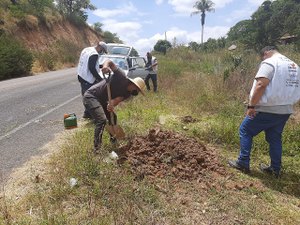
point(189, 84)
point(199, 86)
point(59, 54)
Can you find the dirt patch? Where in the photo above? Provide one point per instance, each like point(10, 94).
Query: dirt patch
point(165, 153)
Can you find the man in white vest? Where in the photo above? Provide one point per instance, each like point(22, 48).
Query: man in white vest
point(152, 66)
point(88, 68)
point(275, 89)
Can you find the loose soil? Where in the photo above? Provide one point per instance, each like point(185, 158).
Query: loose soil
point(168, 154)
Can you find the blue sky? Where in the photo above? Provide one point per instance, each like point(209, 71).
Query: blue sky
point(141, 23)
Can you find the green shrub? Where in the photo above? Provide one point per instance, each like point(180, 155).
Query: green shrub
point(15, 59)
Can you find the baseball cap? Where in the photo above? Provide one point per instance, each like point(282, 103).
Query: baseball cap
point(103, 45)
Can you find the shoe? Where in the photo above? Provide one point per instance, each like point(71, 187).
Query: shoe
point(268, 169)
point(87, 117)
point(236, 165)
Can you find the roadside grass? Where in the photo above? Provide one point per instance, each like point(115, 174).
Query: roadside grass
point(106, 193)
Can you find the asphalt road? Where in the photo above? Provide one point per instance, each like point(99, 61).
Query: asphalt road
point(31, 113)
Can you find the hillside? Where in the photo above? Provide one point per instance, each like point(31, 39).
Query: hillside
point(53, 40)
point(39, 37)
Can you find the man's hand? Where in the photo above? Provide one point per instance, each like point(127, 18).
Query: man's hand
point(251, 113)
point(110, 107)
point(108, 66)
point(105, 70)
point(113, 103)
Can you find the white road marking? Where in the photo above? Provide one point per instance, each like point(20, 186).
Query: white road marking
point(37, 118)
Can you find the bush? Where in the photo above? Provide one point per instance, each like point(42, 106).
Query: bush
point(15, 59)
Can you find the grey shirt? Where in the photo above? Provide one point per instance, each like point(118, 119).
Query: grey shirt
point(267, 71)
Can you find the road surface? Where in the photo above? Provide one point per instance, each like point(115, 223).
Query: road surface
point(31, 113)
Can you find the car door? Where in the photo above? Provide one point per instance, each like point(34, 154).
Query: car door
point(138, 67)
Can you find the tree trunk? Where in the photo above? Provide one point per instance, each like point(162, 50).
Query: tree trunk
point(202, 34)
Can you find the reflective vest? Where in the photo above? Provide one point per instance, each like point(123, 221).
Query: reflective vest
point(284, 87)
point(83, 65)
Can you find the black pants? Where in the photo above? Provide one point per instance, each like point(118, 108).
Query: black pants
point(153, 77)
point(100, 116)
point(84, 86)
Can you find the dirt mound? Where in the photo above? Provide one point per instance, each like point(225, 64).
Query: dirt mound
point(166, 153)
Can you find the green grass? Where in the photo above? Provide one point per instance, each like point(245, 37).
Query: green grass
point(110, 194)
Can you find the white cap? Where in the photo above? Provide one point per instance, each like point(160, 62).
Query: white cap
point(103, 45)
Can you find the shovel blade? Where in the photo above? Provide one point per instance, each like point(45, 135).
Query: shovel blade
point(116, 131)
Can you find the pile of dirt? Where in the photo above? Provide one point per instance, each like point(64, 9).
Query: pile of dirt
point(166, 153)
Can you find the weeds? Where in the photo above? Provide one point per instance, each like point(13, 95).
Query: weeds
point(110, 194)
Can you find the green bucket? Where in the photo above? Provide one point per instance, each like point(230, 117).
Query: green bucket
point(70, 121)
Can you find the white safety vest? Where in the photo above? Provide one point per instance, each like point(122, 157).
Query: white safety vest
point(83, 65)
point(284, 87)
point(155, 68)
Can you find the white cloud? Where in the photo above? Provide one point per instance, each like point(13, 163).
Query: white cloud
point(245, 12)
point(221, 3)
point(119, 11)
point(182, 37)
point(126, 30)
point(159, 2)
point(256, 2)
point(238, 15)
point(185, 7)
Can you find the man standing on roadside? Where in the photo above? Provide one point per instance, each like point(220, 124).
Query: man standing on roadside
point(88, 68)
point(152, 66)
point(275, 89)
point(95, 99)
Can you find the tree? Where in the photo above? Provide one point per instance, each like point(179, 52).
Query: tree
point(38, 7)
point(134, 52)
point(109, 37)
point(268, 24)
point(202, 7)
point(75, 8)
point(162, 46)
point(243, 32)
point(98, 27)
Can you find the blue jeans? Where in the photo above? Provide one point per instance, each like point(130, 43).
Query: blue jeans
point(272, 125)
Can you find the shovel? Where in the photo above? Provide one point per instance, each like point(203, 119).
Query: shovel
point(115, 130)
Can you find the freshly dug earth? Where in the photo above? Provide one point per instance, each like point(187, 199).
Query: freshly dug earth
point(166, 153)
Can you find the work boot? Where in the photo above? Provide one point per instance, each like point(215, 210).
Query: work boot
point(236, 165)
point(268, 169)
point(86, 116)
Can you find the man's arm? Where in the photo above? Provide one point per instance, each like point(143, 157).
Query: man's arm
point(258, 92)
point(92, 67)
point(155, 63)
point(108, 66)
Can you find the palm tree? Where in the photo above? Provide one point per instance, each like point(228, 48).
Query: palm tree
point(202, 7)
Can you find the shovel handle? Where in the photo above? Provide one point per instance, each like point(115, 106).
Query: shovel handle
point(112, 121)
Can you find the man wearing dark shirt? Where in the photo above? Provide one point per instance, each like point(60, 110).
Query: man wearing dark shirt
point(95, 99)
point(88, 68)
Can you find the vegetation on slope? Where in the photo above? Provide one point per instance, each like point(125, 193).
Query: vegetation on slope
point(189, 84)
